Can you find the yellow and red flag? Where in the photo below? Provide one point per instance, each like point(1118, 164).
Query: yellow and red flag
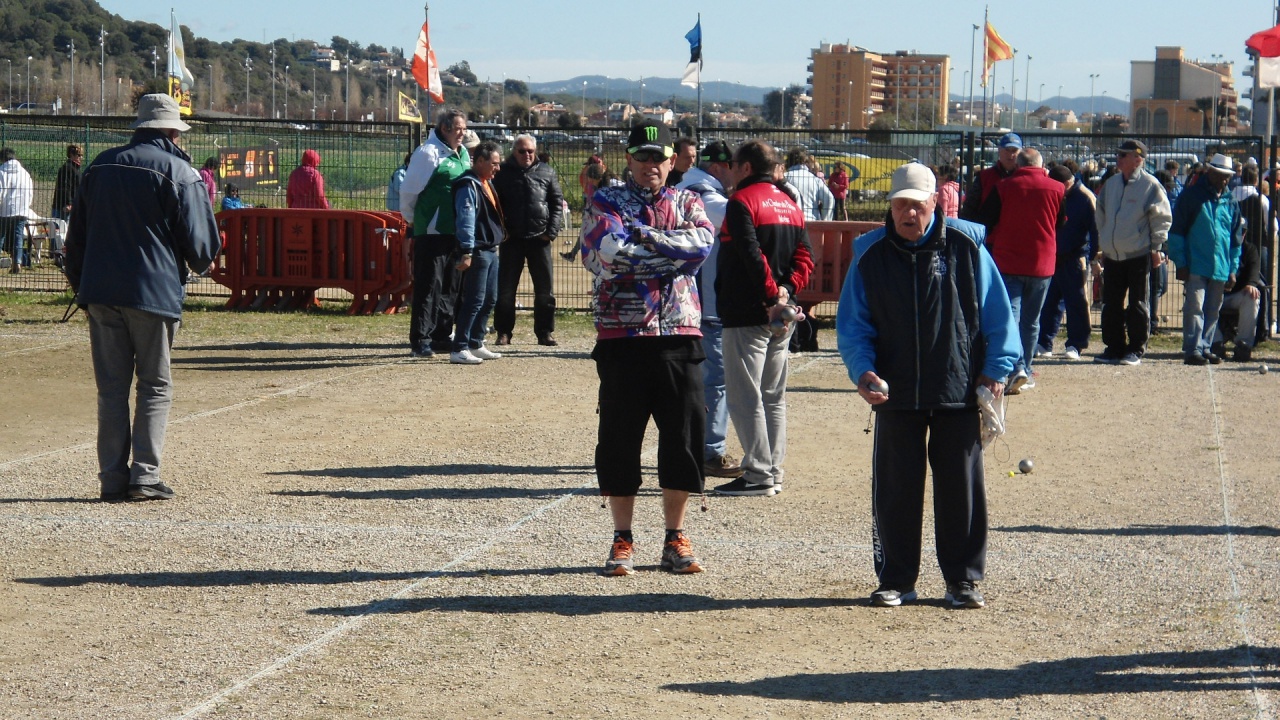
point(425, 68)
point(995, 49)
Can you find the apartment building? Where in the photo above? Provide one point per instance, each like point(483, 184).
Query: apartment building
point(852, 86)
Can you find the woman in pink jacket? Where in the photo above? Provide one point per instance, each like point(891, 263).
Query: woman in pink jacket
point(306, 184)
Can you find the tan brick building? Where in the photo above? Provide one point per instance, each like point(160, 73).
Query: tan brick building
point(1164, 92)
point(853, 85)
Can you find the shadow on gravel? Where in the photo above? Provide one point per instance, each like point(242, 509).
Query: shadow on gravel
point(241, 363)
point(91, 500)
point(573, 605)
point(821, 390)
point(394, 472)
point(235, 578)
point(449, 493)
point(1195, 671)
point(278, 346)
point(1136, 530)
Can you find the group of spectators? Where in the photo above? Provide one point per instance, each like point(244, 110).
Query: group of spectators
point(17, 195)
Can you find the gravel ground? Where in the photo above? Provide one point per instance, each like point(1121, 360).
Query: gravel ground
point(357, 534)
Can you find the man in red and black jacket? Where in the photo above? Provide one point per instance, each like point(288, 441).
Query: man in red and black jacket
point(987, 180)
point(764, 260)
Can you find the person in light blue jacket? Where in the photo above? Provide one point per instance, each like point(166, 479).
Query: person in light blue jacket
point(1204, 244)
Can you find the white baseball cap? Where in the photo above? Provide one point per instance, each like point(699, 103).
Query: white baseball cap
point(914, 182)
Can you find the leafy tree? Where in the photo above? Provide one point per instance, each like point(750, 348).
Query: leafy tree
point(517, 87)
point(568, 120)
point(462, 71)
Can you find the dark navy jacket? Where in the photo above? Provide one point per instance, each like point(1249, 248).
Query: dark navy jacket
point(1080, 233)
point(142, 219)
point(928, 318)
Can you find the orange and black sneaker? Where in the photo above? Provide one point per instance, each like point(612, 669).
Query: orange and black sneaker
point(678, 557)
point(620, 562)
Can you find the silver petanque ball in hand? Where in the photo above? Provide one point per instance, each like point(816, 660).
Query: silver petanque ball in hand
point(787, 313)
point(1025, 466)
point(878, 386)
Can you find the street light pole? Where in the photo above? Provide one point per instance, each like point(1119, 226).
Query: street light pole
point(1092, 117)
point(248, 65)
point(155, 58)
point(273, 81)
point(209, 66)
point(28, 84)
point(102, 69)
point(1217, 91)
point(313, 91)
point(286, 92)
point(1027, 93)
point(72, 99)
point(584, 99)
point(848, 115)
point(973, 39)
point(346, 113)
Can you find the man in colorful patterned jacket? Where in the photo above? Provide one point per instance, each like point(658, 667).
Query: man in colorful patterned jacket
point(643, 242)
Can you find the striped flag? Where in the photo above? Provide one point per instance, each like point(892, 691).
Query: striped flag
point(1267, 45)
point(995, 49)
point(693, 71)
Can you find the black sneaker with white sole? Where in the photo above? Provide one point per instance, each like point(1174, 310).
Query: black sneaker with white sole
point(742, 487)
point(891, 597)
point(157, 491)
point(964, 594)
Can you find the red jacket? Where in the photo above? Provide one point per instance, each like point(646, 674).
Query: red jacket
point(763, 244)
point(306, 184)
point(1023, 214)
point(838, 184)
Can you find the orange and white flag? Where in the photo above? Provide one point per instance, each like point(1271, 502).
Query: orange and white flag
point(425, 68)
point(995, 49)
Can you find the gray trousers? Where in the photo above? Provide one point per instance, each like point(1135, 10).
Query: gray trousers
point(755, 380)
point(125, 342)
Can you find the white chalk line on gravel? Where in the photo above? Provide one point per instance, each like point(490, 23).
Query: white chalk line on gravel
point(354, 622)
point(1241, 610)
point(208, 413)
point(39, 347)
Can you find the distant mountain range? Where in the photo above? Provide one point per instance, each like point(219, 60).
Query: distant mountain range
point(1079, 105)
point(656, 89)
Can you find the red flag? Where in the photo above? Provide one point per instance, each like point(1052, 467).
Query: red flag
point(1267, 45)
point(995, 49)
point(425, 68)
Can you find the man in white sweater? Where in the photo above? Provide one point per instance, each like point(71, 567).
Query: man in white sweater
point(16, 193)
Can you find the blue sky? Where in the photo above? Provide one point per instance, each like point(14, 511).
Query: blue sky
point(755, 42)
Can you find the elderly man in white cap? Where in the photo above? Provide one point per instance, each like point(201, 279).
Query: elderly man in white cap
point(1204, 244)
point(923, 322)
point(142, 224)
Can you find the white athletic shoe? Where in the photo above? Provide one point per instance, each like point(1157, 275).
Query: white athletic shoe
point(1043, 352)
point(485, 353)
point(1072, 353)
point(464, 357)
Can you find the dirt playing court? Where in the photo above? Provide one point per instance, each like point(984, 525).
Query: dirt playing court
point(362, 535)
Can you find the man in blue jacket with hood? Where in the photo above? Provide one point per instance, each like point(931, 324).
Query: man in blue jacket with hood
point(923, 322)
point(142, 224)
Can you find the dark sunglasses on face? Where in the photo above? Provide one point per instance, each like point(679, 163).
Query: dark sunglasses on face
point(649, 156)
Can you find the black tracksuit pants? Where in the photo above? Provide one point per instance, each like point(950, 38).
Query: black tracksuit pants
point(949, 440)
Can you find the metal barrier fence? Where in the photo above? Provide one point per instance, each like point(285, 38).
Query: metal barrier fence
point(357, 159)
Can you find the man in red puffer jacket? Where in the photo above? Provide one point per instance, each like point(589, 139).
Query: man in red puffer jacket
point(1022, 215)
point(306, 184)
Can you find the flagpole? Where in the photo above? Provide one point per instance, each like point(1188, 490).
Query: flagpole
point(986, 62)
point(426, 9)
point(698, 121)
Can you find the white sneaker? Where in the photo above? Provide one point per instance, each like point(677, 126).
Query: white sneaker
point(485, 353)
point(1072, 353)
point(1016, 381)
point(464, 357)
point(1042, 351)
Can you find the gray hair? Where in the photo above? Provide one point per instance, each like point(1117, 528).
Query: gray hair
point(526, 136)
point(445, 118)
point(1030, 157)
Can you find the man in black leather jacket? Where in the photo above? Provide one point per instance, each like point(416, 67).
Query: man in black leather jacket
point(529, 192)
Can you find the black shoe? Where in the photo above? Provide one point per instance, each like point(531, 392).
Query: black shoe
point(549, 340)
point(158, 491)
point(1195, 359)
point(422, 352)
point(964, 594)
point(889, 597)
point(503, 339)
point(114, 497)
point(1213, 359)
point(570, 256)
point(1108, 358)
point(742, 487)
point(1219, 349)
point(1243, 353)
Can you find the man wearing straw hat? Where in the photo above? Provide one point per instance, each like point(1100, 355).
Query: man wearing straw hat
point(142, 225)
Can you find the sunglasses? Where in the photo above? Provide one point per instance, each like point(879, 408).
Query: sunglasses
point(649, 156)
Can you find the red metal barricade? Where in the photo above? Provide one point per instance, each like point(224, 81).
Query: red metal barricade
point(832, 247)
point(278, 259)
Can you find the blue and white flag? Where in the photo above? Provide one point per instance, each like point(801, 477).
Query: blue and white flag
point(693, 71)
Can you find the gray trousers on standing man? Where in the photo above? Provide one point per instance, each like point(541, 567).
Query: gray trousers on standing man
point(755, 379)
point(124, 341)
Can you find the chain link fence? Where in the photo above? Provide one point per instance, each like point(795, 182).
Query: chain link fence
point(358, 158)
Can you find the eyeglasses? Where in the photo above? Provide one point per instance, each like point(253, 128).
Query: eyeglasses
point(526, 151)
point(649, 156)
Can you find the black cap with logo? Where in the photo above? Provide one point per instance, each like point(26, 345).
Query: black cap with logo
point(716, 151)
point(650, 135)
